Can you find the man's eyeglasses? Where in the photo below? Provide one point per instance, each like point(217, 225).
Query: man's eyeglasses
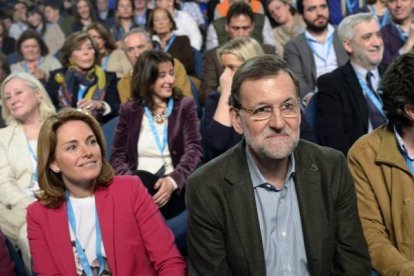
point(287, 110)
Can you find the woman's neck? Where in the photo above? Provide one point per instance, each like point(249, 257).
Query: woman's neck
point(31, 127)
point(164, 38)
point(86, 21)
point(80, 191)
point(407, 134)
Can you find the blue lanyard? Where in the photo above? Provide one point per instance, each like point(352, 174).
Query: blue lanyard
point(385, 17)
point(403, 36)
point(371, 95)
point(26, 68)
point(81, 92)
point(34, 157)
point(352, 6)
point(330, 45)
point(169, 43)
point(105, 61)
point(79, 250)
point(154, 131)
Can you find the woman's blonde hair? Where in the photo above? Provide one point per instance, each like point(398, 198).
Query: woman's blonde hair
point(243, 48)
point(46, 107)
point(51, 183)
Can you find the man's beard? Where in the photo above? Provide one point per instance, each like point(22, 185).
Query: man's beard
point(316, 28)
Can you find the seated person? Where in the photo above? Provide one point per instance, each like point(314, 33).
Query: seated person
point(82, 83)
point(382, 165)
point(88, 220)
point(158, 133)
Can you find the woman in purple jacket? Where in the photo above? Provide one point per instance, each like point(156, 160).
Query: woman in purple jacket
point(158, 137)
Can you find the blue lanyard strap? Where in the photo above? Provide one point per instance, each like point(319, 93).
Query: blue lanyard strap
point(81, 92)
point(352, 6)
point(169, 43)
point(105, 62)
point(161, 146)
point(385, 17)
point(34, 157)
point(373, 97)
point(328, 51)
point(79, 250)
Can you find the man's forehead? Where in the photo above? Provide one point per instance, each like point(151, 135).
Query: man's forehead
point(240, 20)
point(135, 40)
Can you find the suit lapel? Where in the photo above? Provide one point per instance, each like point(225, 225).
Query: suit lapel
point(105, 209)
point(134, 126)
point(308, 55)
point(311, 206)
point(241, 202)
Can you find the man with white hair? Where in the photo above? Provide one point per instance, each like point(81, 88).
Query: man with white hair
point(348, 104)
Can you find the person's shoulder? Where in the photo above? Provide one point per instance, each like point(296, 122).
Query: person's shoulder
point(268, 49)
point(337, 75)
point(38, 209)
point(123, 184)
point(299, 39)
point(369, 143)
point(319, 154)
point(110, 75)
point(6, 133)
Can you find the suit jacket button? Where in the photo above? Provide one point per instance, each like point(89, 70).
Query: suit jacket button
point(407, 201)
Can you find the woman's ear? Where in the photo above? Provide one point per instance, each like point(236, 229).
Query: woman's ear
point(409, 111)
point(54, 167)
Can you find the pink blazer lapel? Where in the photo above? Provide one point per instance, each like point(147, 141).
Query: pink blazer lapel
point(104, 205)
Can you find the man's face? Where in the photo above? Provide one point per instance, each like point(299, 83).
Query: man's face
point(20, 12)
point(102, 5)
point(274, 138)
point(135, 45)
point(400, 10)
point(240, 26)
point(366, 46)
point(165, 4)
point(51, 14)
point(315, 15)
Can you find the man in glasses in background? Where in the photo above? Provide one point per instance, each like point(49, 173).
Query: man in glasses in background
point(273, 204)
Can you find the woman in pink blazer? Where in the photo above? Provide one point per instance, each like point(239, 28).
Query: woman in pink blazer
point(88, 222)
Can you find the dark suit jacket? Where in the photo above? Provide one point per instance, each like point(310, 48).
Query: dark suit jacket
point(212, 69)
point(341, 108)
point(392, 43)
point(184, 139)
point(111, 95)
point(223, 229)
point(299, 58)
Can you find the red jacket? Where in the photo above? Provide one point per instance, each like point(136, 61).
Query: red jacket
point(136, 239)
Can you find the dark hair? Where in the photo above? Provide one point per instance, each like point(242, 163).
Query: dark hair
point(299, 6)
point(239, 8)
point(145, 74)
point(104, 33)
point(52, 186)
point(73, 41)
point(257, 68)
point(91, 11)
point(33, 10)
point(151, 20)
point(117, 23)
point(398, 89)
point(285, 2)
point(29, 34)
point(56, 5)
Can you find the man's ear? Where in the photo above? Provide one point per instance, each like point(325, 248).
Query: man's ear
point(347, 46)
point(235, 120)
point(409, 111)
point(226, 27)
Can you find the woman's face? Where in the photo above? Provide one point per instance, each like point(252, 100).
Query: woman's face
point(230, 62)
point(124, 9)
point(83, 10)
point(21, 100)
point(83, 57)
point(77, 155)
point(100, 43)
point(30, 49)
point(162, 23)
point(163, 86)
point(34, 19)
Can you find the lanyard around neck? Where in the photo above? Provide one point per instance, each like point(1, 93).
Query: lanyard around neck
point(161, 146)
point(328, 51)
point(34, 158)
point(79, 250)
point(373, 97)
point(81, 91)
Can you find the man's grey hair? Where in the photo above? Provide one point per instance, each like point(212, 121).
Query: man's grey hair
point(346, 28)
point(138, 30)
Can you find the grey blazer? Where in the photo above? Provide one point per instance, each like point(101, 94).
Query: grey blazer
point(223, 228)
point(299, 58)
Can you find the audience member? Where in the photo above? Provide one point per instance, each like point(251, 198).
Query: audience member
point(19, 17)
point(4, 72)
point(26, 105)
point(104, 42)
point(339, 9)
point(240, 19)
point(379, 9)
point(124, 18)
point(36, 59)
point(135, 42)
point(161, 25)
point(104, 13)
point(317, 50)
point(240, 23)
point(53, 15)
point(223, 7)
point(348, 105)
point(114, 227)
point(192, 7)
point(51, 33)
point(398, 35)
point(289, 23)
point(82, 83)
point(141, 12)
point(84, 15)
point(158, 134)
point(184, 22)
point(288, 205)
point(382, 165)
point(7, 43)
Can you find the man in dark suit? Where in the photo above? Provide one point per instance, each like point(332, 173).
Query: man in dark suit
point(273, 204)
point(240, 23)
point(317, 50)
point(348, 105)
